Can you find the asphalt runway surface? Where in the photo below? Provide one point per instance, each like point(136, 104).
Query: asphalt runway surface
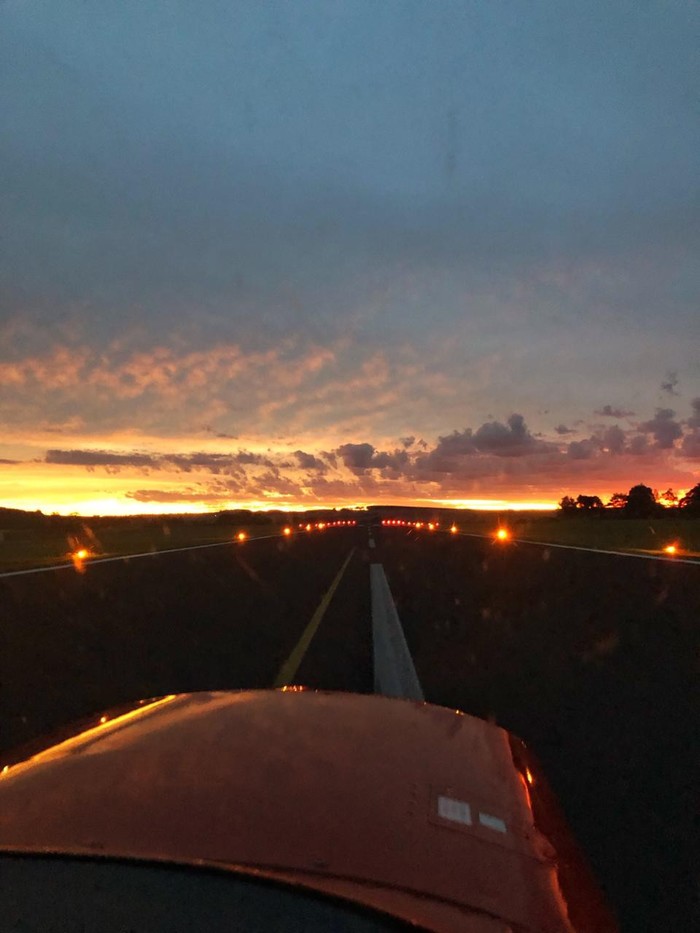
point(591, 659)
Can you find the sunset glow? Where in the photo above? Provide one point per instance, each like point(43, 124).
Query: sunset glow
point(144, 480)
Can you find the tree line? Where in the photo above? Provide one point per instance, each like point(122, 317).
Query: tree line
point(640, 502)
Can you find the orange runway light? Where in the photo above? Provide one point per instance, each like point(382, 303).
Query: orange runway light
point(241, 535)
point(670, 549)
point(502, 534)
point(79, 557)
point(286, 532)
point(431, 527)
point(308, 527)
point(453, 530)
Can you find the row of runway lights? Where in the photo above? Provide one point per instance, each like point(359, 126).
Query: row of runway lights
point(502, 534)
point(288, 531)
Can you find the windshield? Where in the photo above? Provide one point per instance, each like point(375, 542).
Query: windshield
point(111, 896)
point(332, 326)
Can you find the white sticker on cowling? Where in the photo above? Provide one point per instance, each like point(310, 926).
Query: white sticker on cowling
point(492, 822)
point(457, 811)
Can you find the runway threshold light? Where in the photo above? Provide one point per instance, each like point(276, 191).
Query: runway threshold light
point(79, 557)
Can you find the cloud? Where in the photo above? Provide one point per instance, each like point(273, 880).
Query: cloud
point(215, 463)
point(582, 450)
point(663, 427)
point(169, 496)
point(245, 457)
point(562, 429)
point(610, 411)
point(669, 386)
point(456, 444)
point(93, 458)
point(690, 448)
point(613, 439)
point(512, 440)
point(638, 445)
point(309, 462)
point(362, 457)
point(356, 457)
point(295, 387)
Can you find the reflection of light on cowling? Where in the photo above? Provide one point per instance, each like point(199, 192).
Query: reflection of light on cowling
point(526, 788)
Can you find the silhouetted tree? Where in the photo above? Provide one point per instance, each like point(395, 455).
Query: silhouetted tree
point(690, 503)
point(641, 502)
point(588, 503)
point(567, 505)
point(618, 500)
point(669, 498)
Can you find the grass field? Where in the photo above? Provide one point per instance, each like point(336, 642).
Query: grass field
point(605, 533)
point(24, 548)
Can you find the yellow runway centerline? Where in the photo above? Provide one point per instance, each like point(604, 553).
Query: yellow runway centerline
point(288, 670)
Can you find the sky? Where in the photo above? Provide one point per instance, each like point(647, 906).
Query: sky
point(291, 254)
